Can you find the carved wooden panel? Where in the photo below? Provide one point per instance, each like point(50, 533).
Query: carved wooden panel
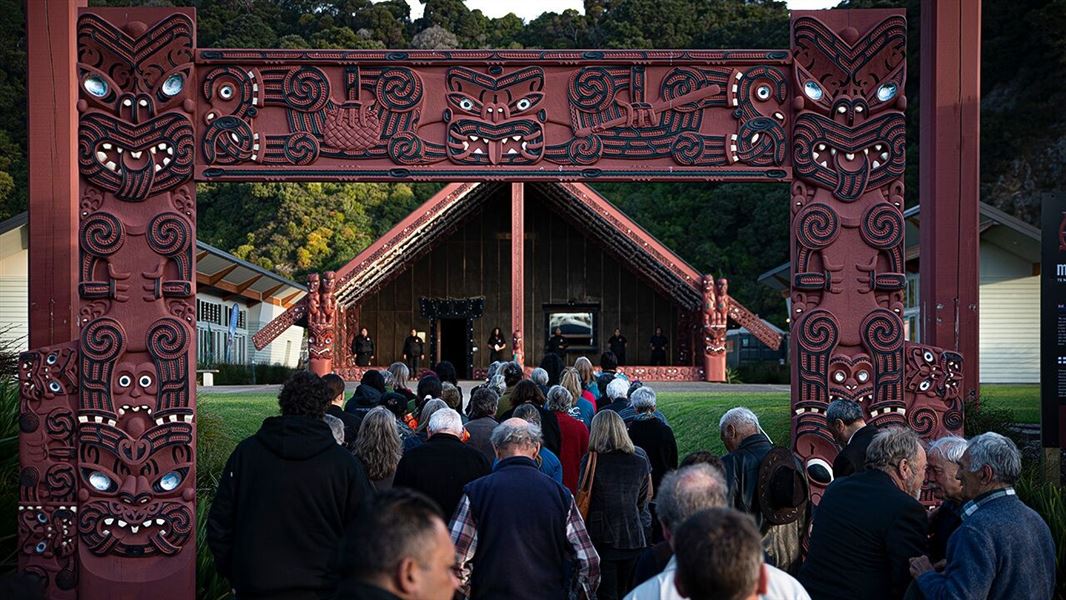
point(135, 430)
point(493, 114)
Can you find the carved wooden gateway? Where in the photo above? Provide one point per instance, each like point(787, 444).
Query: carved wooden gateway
point(107, 497)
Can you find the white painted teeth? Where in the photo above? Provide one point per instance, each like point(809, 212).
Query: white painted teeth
point(119, 149)
point(111, 165)
point(824, 164)
point(821, 147)
point(877, 147)
point(876, 164)
point(152, 149)
point(135, 528)
point(884, 156)
point(163, 146)
point(849, 156)
point(817, 156)
point(866, 151)
point(833, 151)
point(516, 137)
point(478, 151)
point(512, 151)
point(524, 144)
point(122, 523)
point(166, 161)
point(159, 521)
point(466, 145)
point(158, 168)
point(107, 146)
point(473, 138)
point(754, 138)
point(136, 154)
point(147, 523)
point(101, 156)
point(109, 521)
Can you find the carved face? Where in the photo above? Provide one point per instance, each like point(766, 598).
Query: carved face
point(495, 120)
point(133, 390)
point(47, 531)
point(851, 378)
point(848, 159)
point(128, 143)
point(133, 488)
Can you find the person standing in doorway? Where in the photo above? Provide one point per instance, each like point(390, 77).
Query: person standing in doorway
point(363, 348)
point(414, 350)
point(658, 347)
point(497, 345)
point(617, 344)
point(557, 344)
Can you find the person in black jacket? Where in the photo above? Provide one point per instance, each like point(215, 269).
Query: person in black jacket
point(557, 344)
point(617, 345)
point(286, 497)
point(651, 434)
point(851, 431)
point(658, 344)
point(496, 346)
point(608, 371)
point(335, 387)
point(363, 347)
point(748, 446)
point(442, 466)
point(367, 395)
point(414, 350)
point(869, 525)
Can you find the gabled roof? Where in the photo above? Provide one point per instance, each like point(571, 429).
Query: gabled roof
point(439, 216)
point(994, 225)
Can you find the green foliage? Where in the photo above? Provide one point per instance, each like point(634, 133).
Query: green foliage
point(229, 374)
point(1049, 500)
point(9, 472)
point(765, 372)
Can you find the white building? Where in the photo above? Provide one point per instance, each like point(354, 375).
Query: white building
point(1009, 294)
point(222, 281)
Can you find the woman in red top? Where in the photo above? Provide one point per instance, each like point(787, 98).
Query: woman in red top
point(574, 437)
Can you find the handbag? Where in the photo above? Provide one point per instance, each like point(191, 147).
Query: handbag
point(584, 487)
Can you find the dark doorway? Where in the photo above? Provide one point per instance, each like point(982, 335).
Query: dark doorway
point(455, 345)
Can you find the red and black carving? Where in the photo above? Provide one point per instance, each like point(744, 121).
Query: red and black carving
point(321, 320)
point(130, 141)
point(495, 120)
point(48, 388)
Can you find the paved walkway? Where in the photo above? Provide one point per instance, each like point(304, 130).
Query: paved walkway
point(660, 386)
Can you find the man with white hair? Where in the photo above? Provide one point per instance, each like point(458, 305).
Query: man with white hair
point(683, 493)
point(651, 434)
point(869, 525)
point(943, 456)
point(617, 395)
point(441, 467)
point(518, 534)
point(747, 445)
point(1003, 549)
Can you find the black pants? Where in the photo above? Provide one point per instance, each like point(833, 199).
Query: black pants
point(616, 577)
point(412, 363)
point(362, 359)
point(658, 358)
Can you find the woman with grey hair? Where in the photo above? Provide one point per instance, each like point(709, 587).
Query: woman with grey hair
point(379, 447)
point(336, 426)
point(943, 459)
point(621, 490)
point(651, 434)
point(422, 431)
point(573, 437)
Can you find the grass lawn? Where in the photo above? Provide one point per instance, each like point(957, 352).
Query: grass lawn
point(225, 419)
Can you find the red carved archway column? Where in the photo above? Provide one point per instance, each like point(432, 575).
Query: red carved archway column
point(136, 435)
point(715, 321)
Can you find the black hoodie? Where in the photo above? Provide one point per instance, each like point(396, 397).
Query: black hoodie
point(283, 502)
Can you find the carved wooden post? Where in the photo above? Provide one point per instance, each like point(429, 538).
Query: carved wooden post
point(518, 278)
point(136, 438)
point(715, 319)
point(849, 139)
point(321, 322)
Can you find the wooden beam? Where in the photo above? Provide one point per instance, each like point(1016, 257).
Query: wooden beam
point(518, 228)
point(219, 276)
point(201, 255)
point(288, 299)
point(247, 284)
point(52, 89)
point(270, 291)
point(948, 179)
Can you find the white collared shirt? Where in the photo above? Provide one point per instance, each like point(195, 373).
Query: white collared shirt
point(779, 586)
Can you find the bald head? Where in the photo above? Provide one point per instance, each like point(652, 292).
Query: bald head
point(516, 437)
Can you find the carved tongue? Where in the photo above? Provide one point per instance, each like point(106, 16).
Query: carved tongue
point(495, 150)
point(851, 177)
point(136, 182)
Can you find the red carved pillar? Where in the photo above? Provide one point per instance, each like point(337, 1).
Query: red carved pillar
point(518, 277)
point(849, 139)
point(715, 319)
point(136, 435)
point(321, 322)
point(949, 180)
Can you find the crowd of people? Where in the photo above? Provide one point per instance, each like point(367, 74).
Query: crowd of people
point(567, 484)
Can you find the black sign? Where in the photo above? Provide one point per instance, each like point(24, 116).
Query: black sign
point(1053, 322)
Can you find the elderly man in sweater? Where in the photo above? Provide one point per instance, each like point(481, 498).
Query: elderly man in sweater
point(1003, 549)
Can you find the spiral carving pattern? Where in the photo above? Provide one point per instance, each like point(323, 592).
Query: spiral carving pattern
point(103, 340)
point(883, 331)
point(882, 226)
point(592, 89)
point(399, 90)
point(819, 332)
point(167, 339)
point(101, 234)
point(817, 226)
point(305, 89)
point(169, 234)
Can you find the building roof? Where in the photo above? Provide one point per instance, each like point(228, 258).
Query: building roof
point(217, 271)
point(233, 277)
point(996, 227)
point(438, 217)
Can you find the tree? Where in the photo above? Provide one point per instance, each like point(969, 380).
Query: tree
point(433, 38)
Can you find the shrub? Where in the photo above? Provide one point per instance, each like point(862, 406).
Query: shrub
point(764, 372)
point(230, 374)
